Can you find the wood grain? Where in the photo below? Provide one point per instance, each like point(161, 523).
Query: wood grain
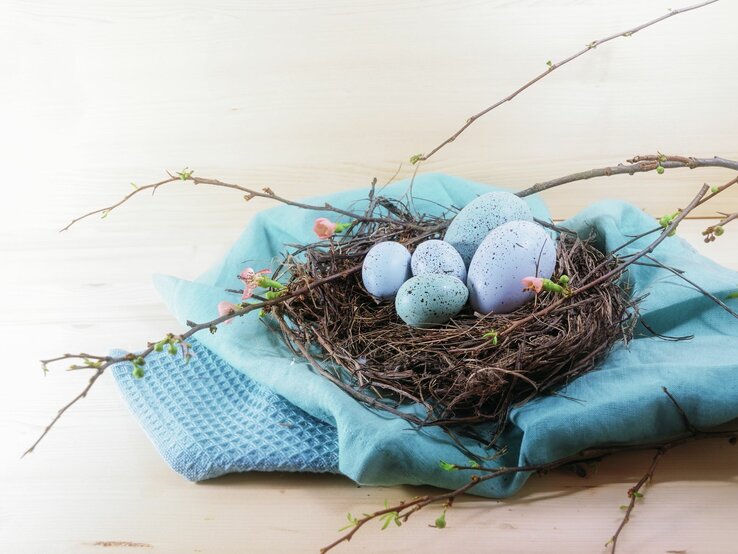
point(308, 98)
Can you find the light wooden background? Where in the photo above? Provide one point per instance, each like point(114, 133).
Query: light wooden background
point(313, 97)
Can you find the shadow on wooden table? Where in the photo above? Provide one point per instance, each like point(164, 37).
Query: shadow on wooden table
point(707, 460)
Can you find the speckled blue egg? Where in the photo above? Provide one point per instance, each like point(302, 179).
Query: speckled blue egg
point(509, 253)
point(430, 299)
point(437, 256)
point(386, 267)
point(472, 224)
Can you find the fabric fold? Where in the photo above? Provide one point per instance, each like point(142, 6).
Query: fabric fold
point(620, 402)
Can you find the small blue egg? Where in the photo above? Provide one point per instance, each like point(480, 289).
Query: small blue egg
point(437, 256)
point(386, 267)
point(508, 254)
point(468, 229)
point(430, 299)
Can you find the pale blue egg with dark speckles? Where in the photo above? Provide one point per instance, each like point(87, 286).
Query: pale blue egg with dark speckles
point(430, 299)
point(468, 229)
point(509, 253)
point(386, 267)
point(437, 256)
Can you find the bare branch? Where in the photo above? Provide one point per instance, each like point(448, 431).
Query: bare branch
point(249, 194)
point(637, 164)
point(553, 66)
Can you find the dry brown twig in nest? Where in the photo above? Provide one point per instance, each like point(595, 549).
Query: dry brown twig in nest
point(470, 370)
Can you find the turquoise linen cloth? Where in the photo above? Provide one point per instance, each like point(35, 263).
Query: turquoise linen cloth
point(620, 402)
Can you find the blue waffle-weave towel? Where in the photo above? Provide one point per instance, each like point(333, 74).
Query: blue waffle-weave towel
point(206, 419)
point(620, 402)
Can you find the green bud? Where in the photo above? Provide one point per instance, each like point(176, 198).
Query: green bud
point(564, 280)
point(172, 349)
point(718, 231)
point(441, 521)
point(446, 466)
point(159, 346)
point(138, 371)
point(492, 336)
point(660, 169)
point(714, 189)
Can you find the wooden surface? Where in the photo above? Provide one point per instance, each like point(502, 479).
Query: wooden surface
point(312, 97)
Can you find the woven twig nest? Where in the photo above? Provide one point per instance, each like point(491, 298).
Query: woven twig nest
point(459, 375)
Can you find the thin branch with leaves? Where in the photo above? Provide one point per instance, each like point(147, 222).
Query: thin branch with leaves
point(404, 509)
point(551, 67)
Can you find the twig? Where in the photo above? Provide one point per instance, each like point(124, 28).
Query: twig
point(249, 194)
point(637, 164)
point(405, 509)
point(105, 211)
point(716, 230)
point(616, 271)
point(553, 66)
point(699, 288)
point(634, 493)
point(107, 361)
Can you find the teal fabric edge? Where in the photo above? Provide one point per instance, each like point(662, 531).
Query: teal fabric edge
point(620, 402)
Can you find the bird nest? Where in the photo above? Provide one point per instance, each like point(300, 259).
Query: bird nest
point(470, 370)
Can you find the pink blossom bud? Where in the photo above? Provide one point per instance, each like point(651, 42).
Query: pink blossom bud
point(324, 228)
point(534, 284)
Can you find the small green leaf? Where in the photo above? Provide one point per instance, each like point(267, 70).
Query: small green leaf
point(492, 336)
point(732, 295)
point(416, 158)
point(172, 349)
point(352, 522)
point(185, 174)
point(474, 464)
point(714, 189)
point(446, 466)
point(637, 494)
point(441, 520)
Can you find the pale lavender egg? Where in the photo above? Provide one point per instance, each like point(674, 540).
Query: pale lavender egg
point(386, 267)
point(471, 225)
point(509, 253)
point(437, 256)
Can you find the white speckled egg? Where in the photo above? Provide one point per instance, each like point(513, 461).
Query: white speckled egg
point(386, 267)
point(430, 299)
point(437, 256)
point(468, 229)
point(509, 253)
